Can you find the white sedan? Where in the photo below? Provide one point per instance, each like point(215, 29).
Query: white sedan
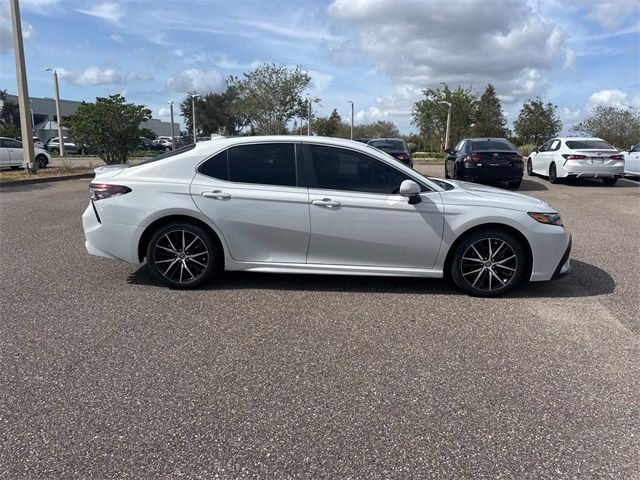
point(283, 204)
point(577, 157)
point(632, 161)
point(11, 154)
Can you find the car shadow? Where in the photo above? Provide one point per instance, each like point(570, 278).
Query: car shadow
point(585, 280)
point(525, 186)
point(593, 182)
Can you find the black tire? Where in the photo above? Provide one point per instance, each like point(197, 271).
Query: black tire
point(198, 261)
point(42, 161)
point(515, 184)
point(610, 181)
point(455, 170)
point(476, 273)
point(446, 172)
point(553, 175)
point(530, 168)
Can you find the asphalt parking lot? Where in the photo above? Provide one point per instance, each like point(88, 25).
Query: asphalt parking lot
point(104, 373)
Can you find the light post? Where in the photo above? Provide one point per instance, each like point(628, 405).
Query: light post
point(193, 113)
point(446, 136)
point(173, 140)
point(59, 122)
point(28, 153)
point(351, 118)
point(309, 118)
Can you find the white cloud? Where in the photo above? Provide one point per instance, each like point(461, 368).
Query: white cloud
point(97, 76)
point(569, 59)
point(419, 43)
point(612, 98)
point(112, 12)
point(6, 30)
point(116, 38)
point(196, 80)
point(321, 80)
point(164, 112)
point(608, 13)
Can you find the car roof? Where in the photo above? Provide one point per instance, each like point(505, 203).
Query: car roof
point(486, 139)
point(386, 139)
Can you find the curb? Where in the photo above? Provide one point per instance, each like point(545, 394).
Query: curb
point(31, 181)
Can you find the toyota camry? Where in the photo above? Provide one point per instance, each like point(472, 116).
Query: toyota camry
point(316, 205)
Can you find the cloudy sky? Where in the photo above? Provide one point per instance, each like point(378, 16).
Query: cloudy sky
point(378, 53)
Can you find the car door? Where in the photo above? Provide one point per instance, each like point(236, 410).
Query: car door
point(4, 153)
point(540, 160)
point(633, 160)
point(359, 219)
point(251, 193)
point(14, 147)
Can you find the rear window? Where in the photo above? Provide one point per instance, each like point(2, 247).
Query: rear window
point(491, 145)
point(388, 144)
point(588, 145)
point(168, 154)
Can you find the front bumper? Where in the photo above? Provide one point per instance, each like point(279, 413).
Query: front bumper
point(564, 267)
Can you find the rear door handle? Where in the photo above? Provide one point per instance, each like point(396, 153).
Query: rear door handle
point(217, 194)
point(326, 202)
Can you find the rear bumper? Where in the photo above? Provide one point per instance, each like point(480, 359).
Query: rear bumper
point(110, 240)
point(492, 173)
point(579, 170)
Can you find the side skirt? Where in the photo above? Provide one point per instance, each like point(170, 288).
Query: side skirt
point(333, 269)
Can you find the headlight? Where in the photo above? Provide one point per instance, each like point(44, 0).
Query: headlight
point(548, 218)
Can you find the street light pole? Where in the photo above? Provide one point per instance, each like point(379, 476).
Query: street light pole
point(446, 137)
point(309, 118)
point(351, 118)
point(173, 140)
point(193, 113)
point(28, 153)
point(59, 122)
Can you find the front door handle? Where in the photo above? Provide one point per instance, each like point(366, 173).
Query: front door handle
point(217, 194)
point(326, 202)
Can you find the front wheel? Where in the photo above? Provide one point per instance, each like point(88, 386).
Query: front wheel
point(610, 181)
point(488, 263)
point(42, 161)
point(182, 255)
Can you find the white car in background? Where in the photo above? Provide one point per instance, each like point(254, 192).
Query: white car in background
point(283, 204)
point(11, 154)
point(578, 158)
point(632, 161)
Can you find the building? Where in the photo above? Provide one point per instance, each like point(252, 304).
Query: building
point(43, 109)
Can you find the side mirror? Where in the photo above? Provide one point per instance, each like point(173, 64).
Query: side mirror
point(537, 150)
point(411, 189)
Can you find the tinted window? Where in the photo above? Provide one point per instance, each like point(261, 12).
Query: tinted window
point(636, 148)
point(388, 144)
point(339, 169)
point(216, 166)
point(10, 143)
point(588, 145)
point(545, 147)
point(266, 163)
point(491, 145)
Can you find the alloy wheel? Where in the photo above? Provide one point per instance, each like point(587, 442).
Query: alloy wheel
point(489, 264)
point(181, 256)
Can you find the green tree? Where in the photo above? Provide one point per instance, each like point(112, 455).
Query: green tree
point(537, 122)
point(430, 116)
point(147, 133)
point(618, 126)
point(9, 110)
point(111, 126)
point(490, 121)
point(215, 112)
point(270, 96)
point(328, 126)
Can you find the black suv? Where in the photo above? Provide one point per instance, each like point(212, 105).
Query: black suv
point(396, 147)
point(484, 160)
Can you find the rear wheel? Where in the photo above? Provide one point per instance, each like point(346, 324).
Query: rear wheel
point(610, 181)
point(488, 263)
point(530, 168)
point(553, 175)
point(182, 255)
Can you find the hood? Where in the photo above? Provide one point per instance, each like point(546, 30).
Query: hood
point(467, 193)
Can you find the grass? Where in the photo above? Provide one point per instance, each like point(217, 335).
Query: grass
point(20, 175)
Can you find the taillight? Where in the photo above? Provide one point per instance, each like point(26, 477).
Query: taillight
point(570, 156)
point(402, 156)
point(99, 191)
point(472, 159)
point(616, 157)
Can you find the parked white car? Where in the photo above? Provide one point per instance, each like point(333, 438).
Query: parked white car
point(577, 157)
point(11, 154)
point(164, 142)
point(284, 204)
point(632, 161)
